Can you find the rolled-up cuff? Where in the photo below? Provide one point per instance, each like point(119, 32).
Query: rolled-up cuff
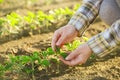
point(80, 22)
point(99, 45)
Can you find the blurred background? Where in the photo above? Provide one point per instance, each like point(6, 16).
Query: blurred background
point(21, 7)
point(30, 17)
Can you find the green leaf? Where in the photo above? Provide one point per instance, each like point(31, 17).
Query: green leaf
point(93, 56)
point(25, 59)
point(33, 27)
point(1, 21)
point(11, 20)
point(69, 46)
point(1, 67)
point(57, 49)
point(50, 51)
point(35, 56)
point(54, 60)
point(15, 15)
point(64, 55)
point(8, 66)
point(28, 70)
point(41, 15)
point(57, 12)
point(69, 11)
point(45, 62)
point(44, 53)
point(31, 14)
point(76, 7)
point(12, 58)
point(2, 70)
point(85, 38)
point(1, 32)
point(1, 1)
point(75, 44)
point(28, 19)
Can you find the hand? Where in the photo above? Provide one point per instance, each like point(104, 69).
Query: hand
point(78, 56)
point(63, 35)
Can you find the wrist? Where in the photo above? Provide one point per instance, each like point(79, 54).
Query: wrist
point(88, 49)
point(74, 29)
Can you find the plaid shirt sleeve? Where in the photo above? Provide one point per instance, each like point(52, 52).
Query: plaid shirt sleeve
point(107, 41)
point(85, 15)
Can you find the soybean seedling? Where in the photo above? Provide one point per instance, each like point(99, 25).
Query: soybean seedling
point(61, 53)
point(1, 1)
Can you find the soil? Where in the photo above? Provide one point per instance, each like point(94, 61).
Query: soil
point(24, 6)
point(106, 68)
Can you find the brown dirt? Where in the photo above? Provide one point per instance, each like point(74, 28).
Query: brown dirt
point(24, 6)
point(107, 68)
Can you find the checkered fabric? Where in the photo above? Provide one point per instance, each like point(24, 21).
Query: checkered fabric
point(104, 42)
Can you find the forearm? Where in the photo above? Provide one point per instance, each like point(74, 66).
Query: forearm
point(85, 15)
point(107, 41)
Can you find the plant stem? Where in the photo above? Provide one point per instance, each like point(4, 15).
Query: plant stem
point(33, 76)
point(58, 67)
point(46, 69)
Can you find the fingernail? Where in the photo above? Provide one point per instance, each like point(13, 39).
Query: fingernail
point(67, 58)
point(57, 44)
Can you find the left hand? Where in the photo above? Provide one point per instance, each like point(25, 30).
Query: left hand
point(63, 35)
point(78, 56)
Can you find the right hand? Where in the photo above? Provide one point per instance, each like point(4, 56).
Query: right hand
point(79, 56)
point(63, 35)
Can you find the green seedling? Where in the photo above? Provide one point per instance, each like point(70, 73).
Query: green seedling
point(57, 49)
point(1, 33)
point(85, 38)
point(50, 51)
point(64, 55)
point(42, 59)
point(76, 7)
point(1, 1)
point(1, 21)
point(45, 62)
point(13, 19)
point(15, 23)
point(61, 53)
point(30, 17)
point(2, 70)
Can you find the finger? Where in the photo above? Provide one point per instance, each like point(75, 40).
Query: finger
point(61, 41)
point(72, 55)
point(69, 40)
point(77, 60)
point(73, 62)
point(55, 38)
point(65, 62)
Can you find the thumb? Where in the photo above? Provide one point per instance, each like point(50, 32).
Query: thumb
point(61, 40)
point(72, 55)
